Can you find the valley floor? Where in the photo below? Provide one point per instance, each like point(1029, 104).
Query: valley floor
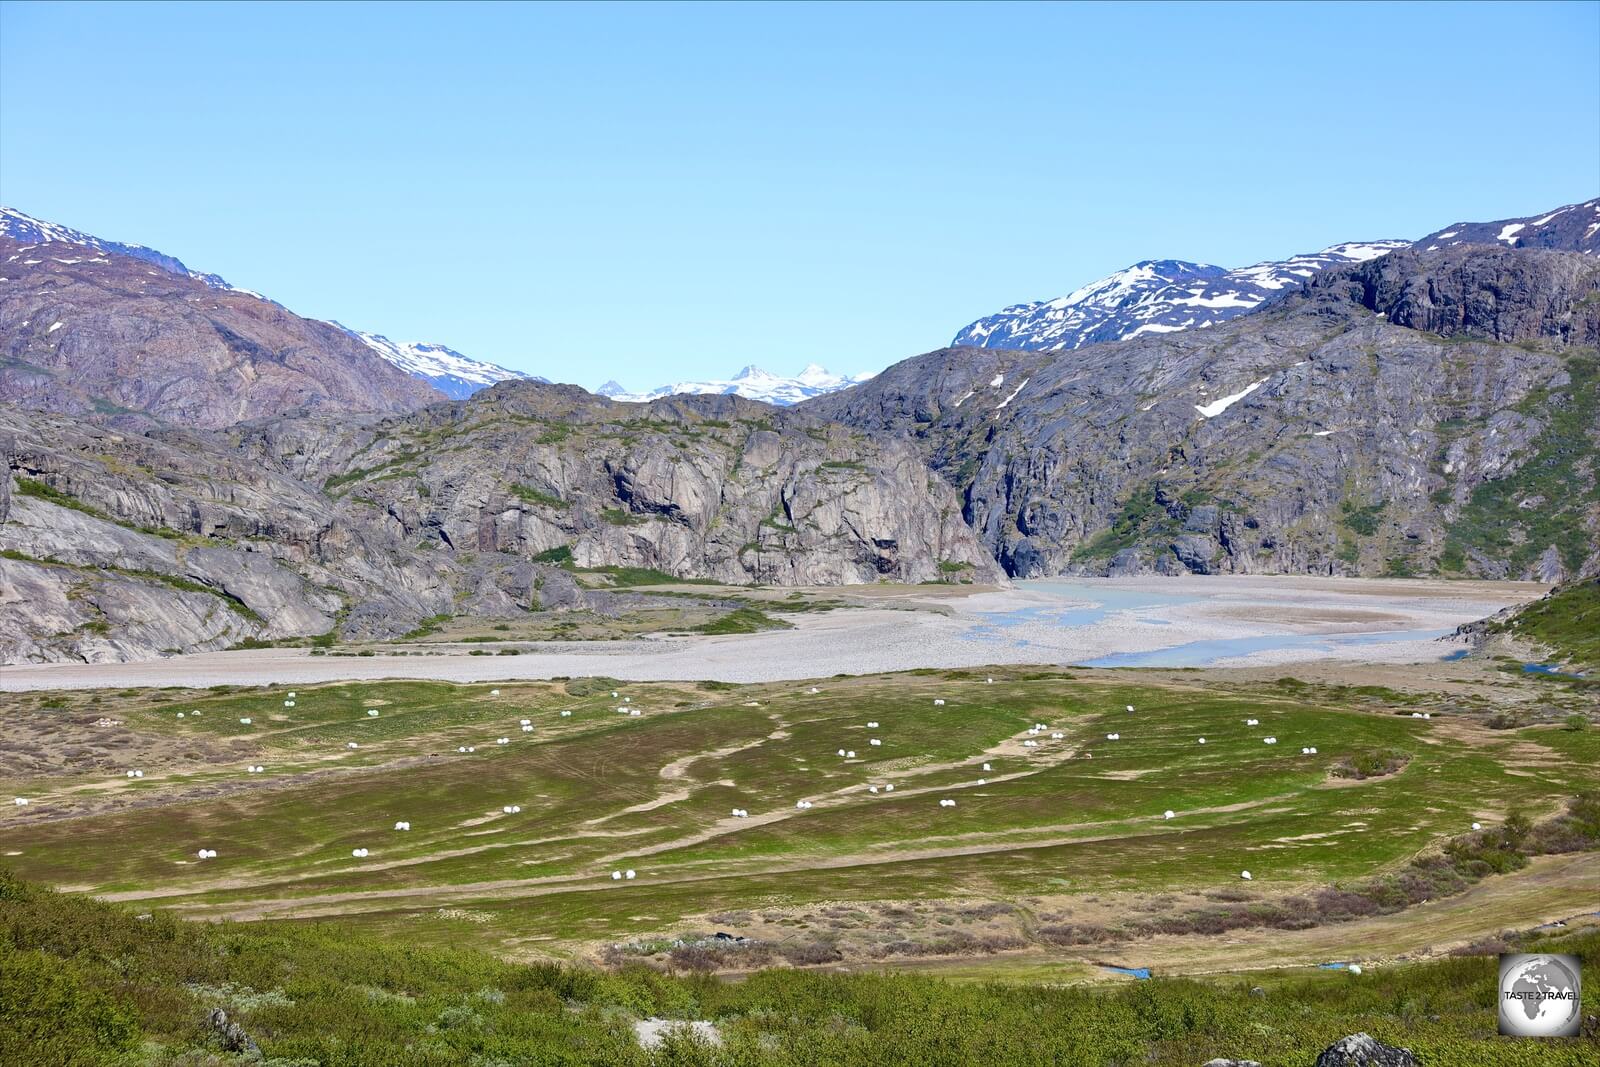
point(768, 811)
point(1150, 622)
point(991, 815)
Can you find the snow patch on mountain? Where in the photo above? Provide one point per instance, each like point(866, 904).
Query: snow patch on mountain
point(1573, 228)
point(27, 230)
point(1156, 296)
point(455, 375)
point(1218, 406)
point(753, 383)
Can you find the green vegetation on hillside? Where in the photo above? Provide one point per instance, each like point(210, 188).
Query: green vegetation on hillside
point(35, 488)
point(1362, 519)
point(84, 983)
point(1567, 621)
point(1141, 519)
point(357, 474)
point(531, 495)
point(621, 517)
point(629, 576)
point(1545, 501)
point(427, 627)
point(42, 491)
point(559, 556)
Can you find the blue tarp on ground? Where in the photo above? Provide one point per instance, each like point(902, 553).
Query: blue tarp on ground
point(1137, 972)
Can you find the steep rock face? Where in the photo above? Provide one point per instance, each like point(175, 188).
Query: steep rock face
point(1319, 436)
point(117, 544)
point(105, 334)
point(52, 613)
point(1468, 292)
point(713, 487)
point(121, 545)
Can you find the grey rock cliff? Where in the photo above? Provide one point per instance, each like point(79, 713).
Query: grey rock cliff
point(697, 486)
point(123, 545)
point(1420, 413)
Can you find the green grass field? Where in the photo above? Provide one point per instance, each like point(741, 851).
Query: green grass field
point(1067, 831)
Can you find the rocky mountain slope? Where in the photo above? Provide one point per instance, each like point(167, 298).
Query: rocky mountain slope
point(1423, 412)
point(108, 335)
point(447, 370)
point(119, 544)
point(1574, 228)
point(1167, 295)
point(1431, 410)
point(752, 383)
point(27, 230)
point(701, 487)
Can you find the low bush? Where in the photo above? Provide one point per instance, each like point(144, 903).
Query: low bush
point(88, 983)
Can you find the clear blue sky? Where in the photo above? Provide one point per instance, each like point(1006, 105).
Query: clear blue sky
point(657, 192)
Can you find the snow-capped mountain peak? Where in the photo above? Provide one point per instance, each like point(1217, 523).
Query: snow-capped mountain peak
point(816, 374)
point(1135, 280)
point(752, 383)
point(1155, 296)
point(450, 372)
point(1164, 295)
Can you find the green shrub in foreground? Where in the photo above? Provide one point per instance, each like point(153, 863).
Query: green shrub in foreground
point(88, 983)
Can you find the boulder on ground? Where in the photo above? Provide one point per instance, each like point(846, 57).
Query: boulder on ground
point(231, 1034)
point(1364, 1050)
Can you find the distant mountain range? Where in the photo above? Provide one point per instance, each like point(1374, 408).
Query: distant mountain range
point(1167, 295)
point(1155, 296)
point(752, 383)
point(452, 373)
point(185, 465)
